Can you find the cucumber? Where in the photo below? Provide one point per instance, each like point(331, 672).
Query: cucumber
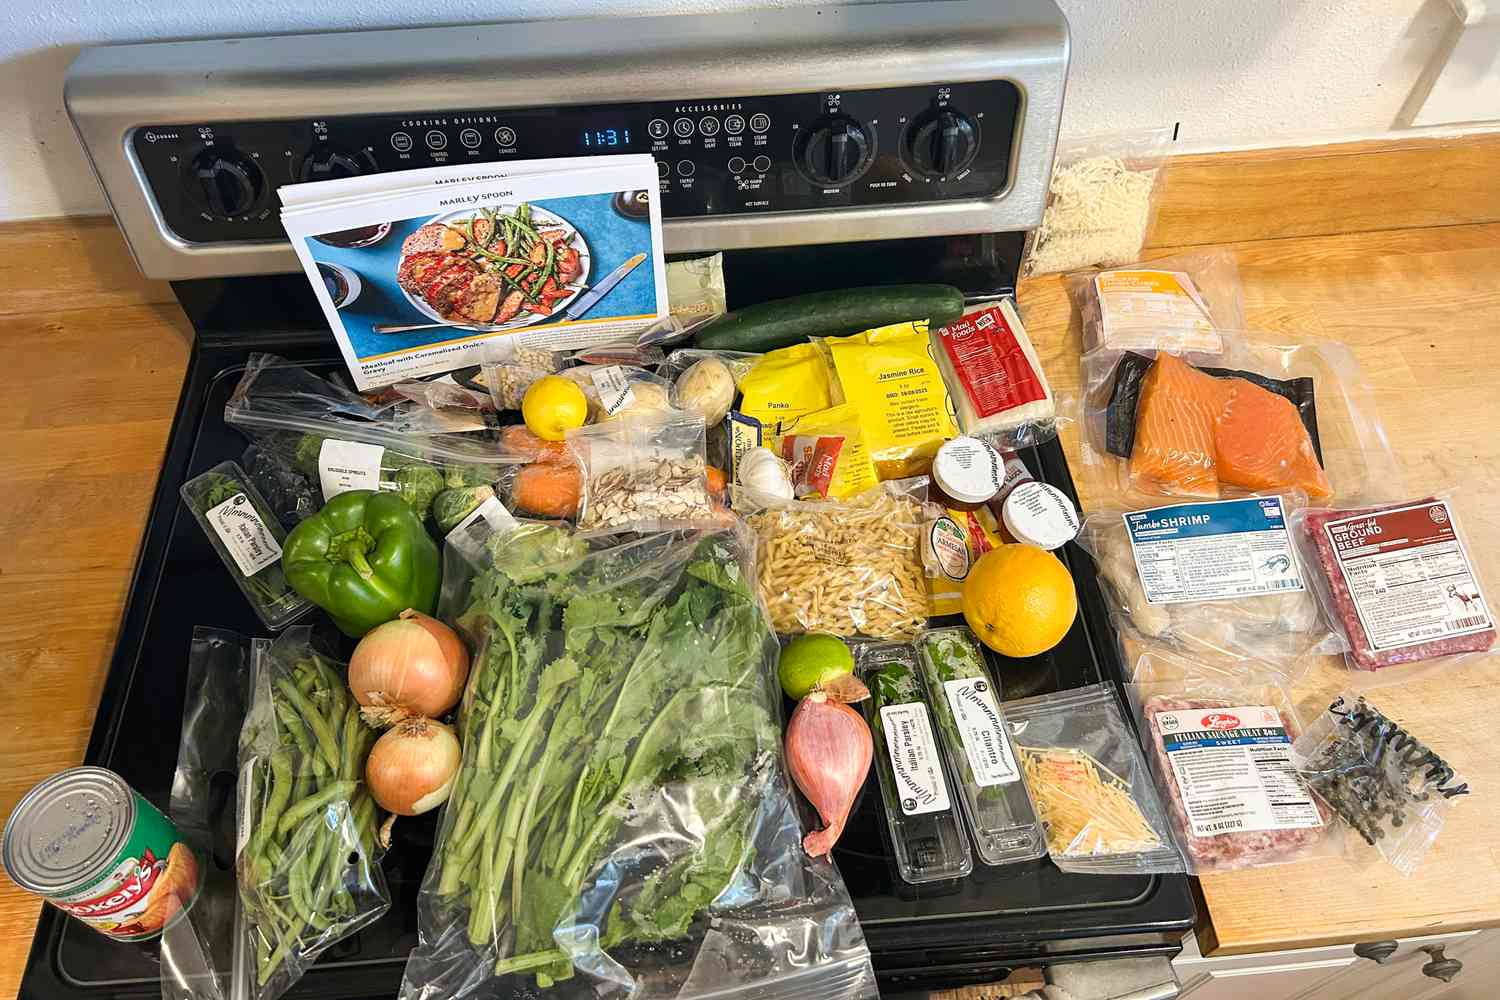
point(783, 322)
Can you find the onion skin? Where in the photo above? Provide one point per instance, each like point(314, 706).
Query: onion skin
point(412, 767)
point(828, 751)
point(413, 666)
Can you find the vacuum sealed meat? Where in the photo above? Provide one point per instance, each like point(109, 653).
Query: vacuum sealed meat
point(1220, 744)
point(1397, 581)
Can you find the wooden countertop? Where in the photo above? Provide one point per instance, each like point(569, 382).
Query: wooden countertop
point(95, 357)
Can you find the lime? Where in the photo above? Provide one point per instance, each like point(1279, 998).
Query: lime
point(811, 660)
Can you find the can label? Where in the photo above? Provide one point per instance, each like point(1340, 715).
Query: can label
point(151, 880)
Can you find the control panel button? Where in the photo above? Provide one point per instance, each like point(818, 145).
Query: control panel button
point(834, 150)
point(436, 140)
point(658, 128)
point(683, 127)
point(762, 164)
point(940, 142)
point(223, 183)
point(663, 168)
point(685, 168)
point(401, 142)
point(736, 164)
point(760, 123)
point(708, 125)
point(505, 135)
point(735, 124)
point(470, 137)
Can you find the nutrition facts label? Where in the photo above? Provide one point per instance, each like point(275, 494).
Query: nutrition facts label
point(1234, 768)
point(1212, 551)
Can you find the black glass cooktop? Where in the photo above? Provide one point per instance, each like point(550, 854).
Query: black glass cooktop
point(936, 936)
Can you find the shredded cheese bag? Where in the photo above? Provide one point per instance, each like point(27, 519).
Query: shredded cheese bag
point(853, 471)
point(891, 379)
point(785, 384)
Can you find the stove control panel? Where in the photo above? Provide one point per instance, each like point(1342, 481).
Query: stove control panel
point(215, 182)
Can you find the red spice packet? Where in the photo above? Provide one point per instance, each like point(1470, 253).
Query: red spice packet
point(813, 460)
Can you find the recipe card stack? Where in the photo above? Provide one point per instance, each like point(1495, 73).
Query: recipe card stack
point(424, 271)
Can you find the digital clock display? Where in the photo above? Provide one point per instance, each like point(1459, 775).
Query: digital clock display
point(606, 138)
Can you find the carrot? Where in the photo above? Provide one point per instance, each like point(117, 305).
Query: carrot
point(517, 439)
point(716, 481)
point(547, 489)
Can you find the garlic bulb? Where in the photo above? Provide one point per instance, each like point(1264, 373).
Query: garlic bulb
point(762, 472)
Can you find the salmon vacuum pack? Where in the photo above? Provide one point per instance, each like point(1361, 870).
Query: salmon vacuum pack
point(1269, 414)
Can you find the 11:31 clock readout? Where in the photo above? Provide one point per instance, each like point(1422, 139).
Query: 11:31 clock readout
point(604, 138)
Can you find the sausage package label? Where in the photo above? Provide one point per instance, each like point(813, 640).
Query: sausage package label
point(1235, 771)
point(244, 534)
point(982, 729)
point(1212, 551)
point(1409, 575)
point(914, 759)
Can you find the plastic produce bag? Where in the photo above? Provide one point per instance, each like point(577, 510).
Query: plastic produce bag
point(1219, 738)
point(623, 817)
point(1100, 202)
point(340, 441)
point(1397, 581)
point(1092, 790)
point(1220, 576)
point(644, 474)
point(1270, 413)
point(1176, 303)
point(308, 863)
point(1389, 786)
point(847, 568)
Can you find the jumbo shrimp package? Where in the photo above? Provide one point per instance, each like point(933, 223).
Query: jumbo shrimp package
point(623, 823)
point(1219, 737)
point(1399, 582)
point(1269, 413)
point(1209, 576)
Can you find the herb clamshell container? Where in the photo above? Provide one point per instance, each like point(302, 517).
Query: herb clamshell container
point(921, 807)
point(244, 531)
point(971, 726)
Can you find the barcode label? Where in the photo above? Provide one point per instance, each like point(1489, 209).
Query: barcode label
point(1284, 584)
point(1471, 622)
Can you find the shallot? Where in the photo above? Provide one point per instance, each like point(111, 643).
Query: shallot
point(828, 750)
point(413, 666)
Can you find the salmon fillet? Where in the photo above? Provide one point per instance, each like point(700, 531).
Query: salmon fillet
point(1260, 443)
point(1174, 430)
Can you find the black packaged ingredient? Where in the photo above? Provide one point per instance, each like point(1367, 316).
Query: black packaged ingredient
point(244, 531)
point(966, 704)
point(1125, 397)
point(920, 808)
point(1392, 788)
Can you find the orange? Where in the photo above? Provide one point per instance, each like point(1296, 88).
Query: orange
point(1019, 600)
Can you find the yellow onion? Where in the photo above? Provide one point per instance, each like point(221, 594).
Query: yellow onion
point(413, 666)
point(411, 767)
point(828, 751)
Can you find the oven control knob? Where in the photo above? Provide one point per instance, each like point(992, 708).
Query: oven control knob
point(224, 183)
point(834, 150)
point(940, 142)
point(331, 164)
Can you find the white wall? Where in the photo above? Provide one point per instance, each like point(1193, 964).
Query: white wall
point(1232, 72)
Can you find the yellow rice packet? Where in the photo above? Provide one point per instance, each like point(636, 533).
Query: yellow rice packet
point(890, 377)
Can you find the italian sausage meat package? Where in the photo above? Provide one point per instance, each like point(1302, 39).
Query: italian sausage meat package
point(1270, 413)
point(1219, 737)
point(623, 817)
point(1399, 582)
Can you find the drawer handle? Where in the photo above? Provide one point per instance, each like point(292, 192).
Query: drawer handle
point(1441, 967)
point(1379, 952)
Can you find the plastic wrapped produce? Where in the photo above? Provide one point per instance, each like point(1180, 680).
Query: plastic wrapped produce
point(623, 818)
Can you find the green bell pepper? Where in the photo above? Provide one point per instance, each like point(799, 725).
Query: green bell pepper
point(364, 558)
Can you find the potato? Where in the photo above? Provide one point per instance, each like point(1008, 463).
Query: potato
point(706, 388)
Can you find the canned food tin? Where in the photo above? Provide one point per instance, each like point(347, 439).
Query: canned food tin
point(90, 845)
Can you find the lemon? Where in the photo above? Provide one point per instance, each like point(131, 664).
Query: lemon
point(1019, 600)
point(553, 406)
point(810, 660)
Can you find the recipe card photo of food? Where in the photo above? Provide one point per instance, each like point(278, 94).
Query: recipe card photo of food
point(420, 282)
